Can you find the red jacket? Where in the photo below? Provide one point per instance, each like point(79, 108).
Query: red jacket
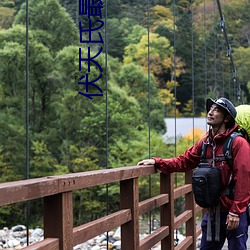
point(241, 167)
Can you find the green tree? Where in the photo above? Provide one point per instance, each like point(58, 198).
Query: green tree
point(51, 24)
point(12, 107)
point(119, 31)
point(241, 56)
point(42, 163)
point(132, 78)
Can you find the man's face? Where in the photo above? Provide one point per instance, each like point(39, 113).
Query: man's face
point(215, 116)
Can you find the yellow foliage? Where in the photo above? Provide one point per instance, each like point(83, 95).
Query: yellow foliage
point(6, 17)
point(161, 16)
point(179, 69)
point(195, 134)
point(203, 114)
point(161, 12)
point(172, 84)
point(166, 96)
point(160, 53)
point(173, 112)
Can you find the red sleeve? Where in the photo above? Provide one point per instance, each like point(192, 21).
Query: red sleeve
point(241, 175)
point(183, 163)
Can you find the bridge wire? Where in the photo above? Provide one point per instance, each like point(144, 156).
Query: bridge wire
point(174, 78)
point(229, 55)
point(215, 52)
point(27, 204)
point(222, 68)
point(220, 64)
point(107, 111)
point(205, 49)
point(192, 76)
point(175, 94)
point(229, 83)
point(149, 120)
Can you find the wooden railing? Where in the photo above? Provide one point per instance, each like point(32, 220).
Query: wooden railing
point(59, 232)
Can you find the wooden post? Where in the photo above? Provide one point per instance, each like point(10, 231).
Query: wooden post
point(190, 205)
point(167, 210)
point(129, 197)
point(58, 219)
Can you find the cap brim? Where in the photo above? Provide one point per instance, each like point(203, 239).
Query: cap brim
point(209, 103)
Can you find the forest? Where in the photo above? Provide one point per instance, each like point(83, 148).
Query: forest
point(159, 59)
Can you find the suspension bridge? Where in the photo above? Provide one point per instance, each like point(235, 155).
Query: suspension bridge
point(56, 192)
point(59, 233)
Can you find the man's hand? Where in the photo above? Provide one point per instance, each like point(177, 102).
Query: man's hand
point(146, 162)
point(232, 221)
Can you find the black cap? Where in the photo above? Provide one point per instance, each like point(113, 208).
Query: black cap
point(223, 103)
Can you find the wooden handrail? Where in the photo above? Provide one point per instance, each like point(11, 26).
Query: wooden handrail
point(56, 191)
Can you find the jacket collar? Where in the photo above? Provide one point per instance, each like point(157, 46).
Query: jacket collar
point(221, 136)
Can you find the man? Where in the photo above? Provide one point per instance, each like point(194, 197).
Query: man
point(221, 115)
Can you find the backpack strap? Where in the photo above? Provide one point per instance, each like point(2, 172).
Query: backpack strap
point(227, 148)
point(227, 151)
point(203, 152)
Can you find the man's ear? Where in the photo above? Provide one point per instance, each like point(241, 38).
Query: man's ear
point(228, 118)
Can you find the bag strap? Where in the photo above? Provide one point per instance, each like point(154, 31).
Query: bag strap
point(227, 151)
point(227, 148)
point(217, 223)
point(203, 152)
point(209, 225)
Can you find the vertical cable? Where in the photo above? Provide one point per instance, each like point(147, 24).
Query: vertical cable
point(107, 121)
point(174, 76)
point(27, 90)
point(215, 52)
point(235, 88)
point(223, 80)
point(205, 51)
point(222, 69)
point(229, 84)
point(192, 28)
point(175, 95)
point(27, 113)
point(149, 121)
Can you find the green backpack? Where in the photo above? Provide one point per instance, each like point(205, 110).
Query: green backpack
point(243, 120)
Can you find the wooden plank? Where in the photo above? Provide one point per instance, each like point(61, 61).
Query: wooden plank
point(198, 231)
point(46, 244)
point(154, 238)
point(129, 195)
point(182, 218)
point(198, 209)
point(90, 230)
point(185, 244)
point(24, 190)
point(167, 210)
point(58, 219)
point(190, 205)
point(152, 203)
point(178, 192)
point(100, 177)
